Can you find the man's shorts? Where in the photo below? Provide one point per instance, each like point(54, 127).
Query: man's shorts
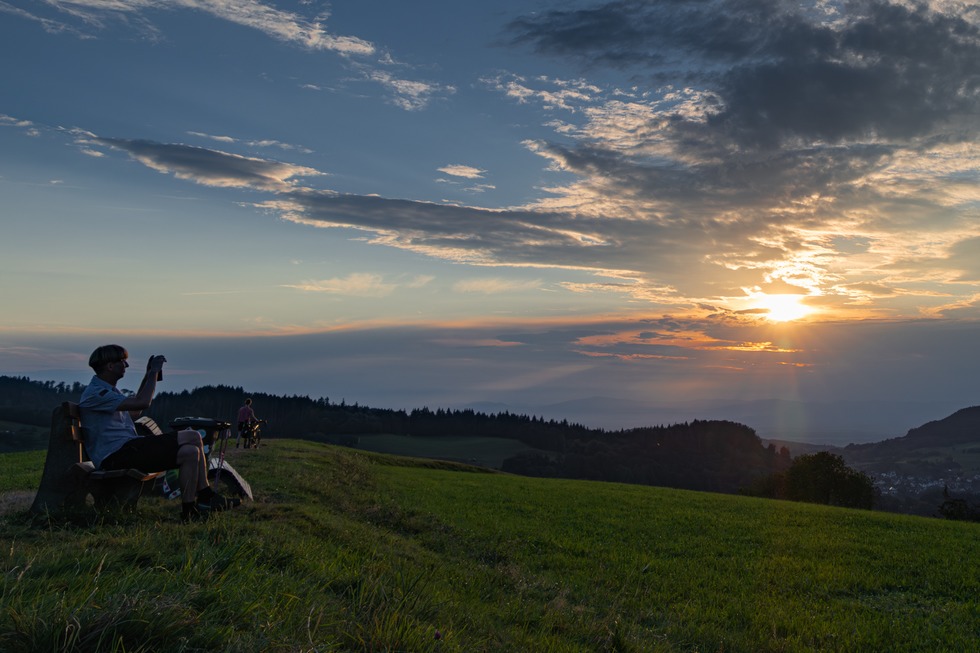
point(149, 453)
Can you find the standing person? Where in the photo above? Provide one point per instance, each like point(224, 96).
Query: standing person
point(113, 443)
point(245, 418)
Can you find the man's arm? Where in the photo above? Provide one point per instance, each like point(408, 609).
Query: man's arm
point(144, 396)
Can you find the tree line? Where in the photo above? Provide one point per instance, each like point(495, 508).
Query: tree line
point(709, 455)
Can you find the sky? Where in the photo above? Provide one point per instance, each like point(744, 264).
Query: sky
point(623, 213)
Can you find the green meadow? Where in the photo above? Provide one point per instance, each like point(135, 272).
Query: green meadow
point(483, 451)
point(347, 550)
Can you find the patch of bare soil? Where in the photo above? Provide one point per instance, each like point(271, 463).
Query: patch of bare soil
point(15, 501)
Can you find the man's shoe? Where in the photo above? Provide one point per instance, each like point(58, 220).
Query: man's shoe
point(216, 503)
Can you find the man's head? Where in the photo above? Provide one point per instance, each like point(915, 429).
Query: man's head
point(109, 357)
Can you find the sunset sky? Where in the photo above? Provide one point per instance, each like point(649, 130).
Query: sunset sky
point(678, 204)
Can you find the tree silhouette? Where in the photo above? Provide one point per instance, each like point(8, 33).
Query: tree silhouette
point(824, 477)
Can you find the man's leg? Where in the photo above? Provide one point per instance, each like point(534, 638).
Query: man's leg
point(192, 463)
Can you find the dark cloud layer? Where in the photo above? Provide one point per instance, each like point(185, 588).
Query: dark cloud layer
point(781, 73)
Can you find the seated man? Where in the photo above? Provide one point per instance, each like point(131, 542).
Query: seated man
point(112, 441)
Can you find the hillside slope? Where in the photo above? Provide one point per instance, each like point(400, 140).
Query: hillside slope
point(350, 551)
point(960, 428)
point(916, 471)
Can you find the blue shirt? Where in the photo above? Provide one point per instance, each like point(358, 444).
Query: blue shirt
point(107, 428)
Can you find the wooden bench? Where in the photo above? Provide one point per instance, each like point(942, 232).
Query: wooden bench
point(69, 478)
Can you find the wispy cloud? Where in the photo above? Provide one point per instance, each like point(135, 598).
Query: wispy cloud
point(211, 167)
point(409, 94)
point(48, 24)
point(494, 286)
point(89, 17)
point(253, 143)
point(549, 93)
point(92, 15)
point(10, 121)
point(467, 172)
point(357, 284)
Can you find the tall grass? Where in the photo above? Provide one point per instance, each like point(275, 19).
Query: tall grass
point(350, 551)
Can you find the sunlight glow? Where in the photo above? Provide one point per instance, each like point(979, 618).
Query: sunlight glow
point(782, 308)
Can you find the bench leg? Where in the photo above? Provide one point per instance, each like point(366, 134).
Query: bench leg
point(117, 494)
point(113, 494)
point(76, 497)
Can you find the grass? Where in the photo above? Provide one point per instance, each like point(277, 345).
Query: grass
point(354, 551)
point(15, 436)
point(20, 470)
point(483, 451)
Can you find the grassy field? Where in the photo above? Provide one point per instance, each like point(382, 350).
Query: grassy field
point(486, 452)
point(17, 437)
point(354, 551)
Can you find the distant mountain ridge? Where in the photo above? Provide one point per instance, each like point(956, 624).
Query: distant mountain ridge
point(816, 423)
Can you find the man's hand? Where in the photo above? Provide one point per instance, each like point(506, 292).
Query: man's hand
point(141, 400)
point(155, 364)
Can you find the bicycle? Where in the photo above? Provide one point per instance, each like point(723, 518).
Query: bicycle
point(252, 434)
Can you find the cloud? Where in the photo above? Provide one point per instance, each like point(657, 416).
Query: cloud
point(10, 121)
point(210, 167)
point(780, 132)
point(411, 95)
point(283, 25)
point(670, 251)
point(559, 94)
point(494, 286)
point(253, 143)
point(48, 24)
point(467, 172)
point(480, 188)
point(785, 71)
point(460, 233)
point(214, 137)
point(92, 16)
point(475, 342)
point(278, 24)
point(361, 284)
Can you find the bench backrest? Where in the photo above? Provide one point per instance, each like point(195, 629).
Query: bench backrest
point(73, 421)
point(147, 426)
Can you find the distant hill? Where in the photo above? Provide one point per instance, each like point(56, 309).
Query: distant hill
point(962, 427)
point(820, 423)
point(959, 431)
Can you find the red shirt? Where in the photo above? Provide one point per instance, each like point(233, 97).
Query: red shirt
point(246, 414)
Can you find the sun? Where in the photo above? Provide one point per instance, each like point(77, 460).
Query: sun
point(782, 308)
